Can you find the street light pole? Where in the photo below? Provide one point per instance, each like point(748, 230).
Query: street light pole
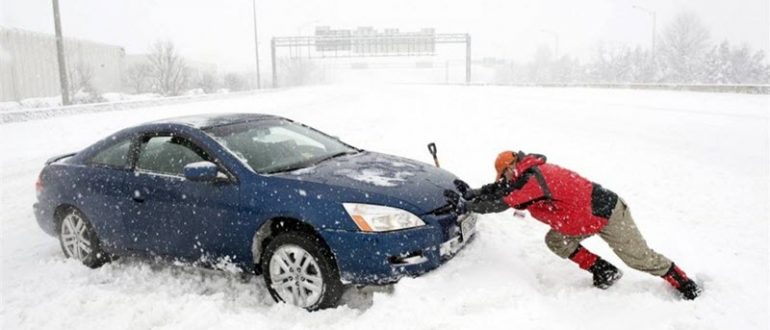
point(256, 41)
point(65, 89)
point(556, 43)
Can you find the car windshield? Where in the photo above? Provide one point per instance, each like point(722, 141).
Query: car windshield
point(271, 146)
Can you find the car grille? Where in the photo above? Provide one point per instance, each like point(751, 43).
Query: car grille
point(448, 225)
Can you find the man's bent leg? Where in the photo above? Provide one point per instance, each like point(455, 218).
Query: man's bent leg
point(604, 273)
point(627, 242)
point(563, 245)
point(624, 238)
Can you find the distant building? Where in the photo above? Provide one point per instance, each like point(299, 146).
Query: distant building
point(29, 67)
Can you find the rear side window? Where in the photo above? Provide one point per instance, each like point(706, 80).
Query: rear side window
point(169, 155)
point(114, 156)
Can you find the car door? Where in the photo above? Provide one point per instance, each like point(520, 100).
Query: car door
point(101, 191)
point(174, 216)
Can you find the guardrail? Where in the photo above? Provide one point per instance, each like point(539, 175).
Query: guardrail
point(744, 89)
point(17, 115)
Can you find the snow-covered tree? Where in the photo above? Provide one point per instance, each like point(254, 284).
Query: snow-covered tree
point(642, 66)
point(168, 71)
point(566, 70)
point(683, 47)
point(685, 56)
point(727, 65)
point(611, 63)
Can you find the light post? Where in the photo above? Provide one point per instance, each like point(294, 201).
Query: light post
point(654, 22)
point(256, 41)
point(556, 42)
point(65, 90)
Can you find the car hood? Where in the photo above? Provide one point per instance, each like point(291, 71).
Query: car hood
point(418, 184)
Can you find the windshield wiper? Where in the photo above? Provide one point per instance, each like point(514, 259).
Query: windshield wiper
point(288, 169)
point(335, 155)
point(301, 165)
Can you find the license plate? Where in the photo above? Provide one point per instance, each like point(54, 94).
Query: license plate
point(468, 226)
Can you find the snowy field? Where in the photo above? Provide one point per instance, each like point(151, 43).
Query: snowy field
point(692, 166)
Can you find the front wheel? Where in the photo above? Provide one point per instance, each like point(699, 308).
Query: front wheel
point(79, 241)
point(300, 270)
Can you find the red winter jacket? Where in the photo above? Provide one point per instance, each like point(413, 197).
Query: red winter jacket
point(564, 200)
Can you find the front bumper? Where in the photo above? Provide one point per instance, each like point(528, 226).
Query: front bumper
point(379, 258)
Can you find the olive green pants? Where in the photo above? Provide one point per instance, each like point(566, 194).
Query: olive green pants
point(622, 236)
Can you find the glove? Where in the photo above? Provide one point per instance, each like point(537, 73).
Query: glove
point(496, 190)
point(465, 190)
point(453, 199)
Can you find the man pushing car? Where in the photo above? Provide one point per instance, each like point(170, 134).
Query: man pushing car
point(575, 209)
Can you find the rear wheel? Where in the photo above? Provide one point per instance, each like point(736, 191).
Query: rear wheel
point(300, 270)
point(78, 239)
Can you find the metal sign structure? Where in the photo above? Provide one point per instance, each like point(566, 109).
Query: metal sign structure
point(367, 42)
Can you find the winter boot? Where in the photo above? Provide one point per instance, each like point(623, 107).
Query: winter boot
point(605, 274)
point(678, 279)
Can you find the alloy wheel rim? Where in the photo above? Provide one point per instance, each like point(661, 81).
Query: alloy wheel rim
point(74, 240)
point(295, 276)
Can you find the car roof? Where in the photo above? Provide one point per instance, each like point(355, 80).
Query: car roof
point(203, 121)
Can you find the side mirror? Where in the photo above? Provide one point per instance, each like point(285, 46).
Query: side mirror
point(201, 171)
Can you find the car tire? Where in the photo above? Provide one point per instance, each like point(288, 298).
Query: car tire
point(78, 239)
point(293, 263)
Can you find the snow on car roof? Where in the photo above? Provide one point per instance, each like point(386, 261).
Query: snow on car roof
point(211, 120)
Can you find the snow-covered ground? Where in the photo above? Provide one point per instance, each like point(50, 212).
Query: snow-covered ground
point(694, 168)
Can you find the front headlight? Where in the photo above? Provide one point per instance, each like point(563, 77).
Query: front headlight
point(376, 218)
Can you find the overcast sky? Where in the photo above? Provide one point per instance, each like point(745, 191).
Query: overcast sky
point(221, 32)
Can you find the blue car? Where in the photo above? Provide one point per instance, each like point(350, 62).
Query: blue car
point(307, 211)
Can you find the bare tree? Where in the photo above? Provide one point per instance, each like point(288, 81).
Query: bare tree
point(138, 77)
point(169, 73)
point(235, 82)
point(539, 70)
point(297, 72)
point(81, 75)
point(207, 81)
point(684, 45)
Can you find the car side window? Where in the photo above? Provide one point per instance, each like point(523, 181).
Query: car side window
point(169, 155)
point(114, 156)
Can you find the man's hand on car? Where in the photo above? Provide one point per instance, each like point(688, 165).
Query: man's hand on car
point(465, 190)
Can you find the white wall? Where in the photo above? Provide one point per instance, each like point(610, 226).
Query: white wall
point(29, 67)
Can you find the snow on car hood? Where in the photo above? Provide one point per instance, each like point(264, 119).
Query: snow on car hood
point(412, 182)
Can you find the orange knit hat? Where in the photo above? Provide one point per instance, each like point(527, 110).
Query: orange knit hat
point(504, 159)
